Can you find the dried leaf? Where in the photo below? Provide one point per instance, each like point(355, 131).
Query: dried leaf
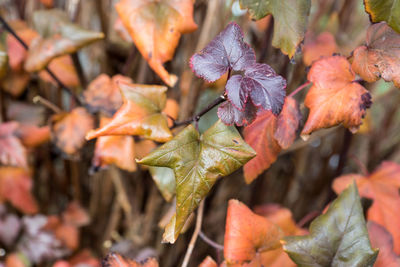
point(139, 115)
point(384, 10)
point(31, 135)
point(116, 260)
point(12, 151)
point(380, 57)
point(75, 215)
point(316, 47)
point(198, 161)
point(382, 186)
point(155, 28)
point(208, 262)
point(63, 67)
point(287, 123)
point(15, 83)
point(334, 97)
point(337, 238)
point(382, 239)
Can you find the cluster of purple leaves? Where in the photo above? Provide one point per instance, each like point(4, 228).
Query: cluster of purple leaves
point(252, 86)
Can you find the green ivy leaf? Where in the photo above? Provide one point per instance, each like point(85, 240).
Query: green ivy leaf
point(290, 19)
point(165, 181)
point(198, 161)
point(384, 10)
point(337, 238)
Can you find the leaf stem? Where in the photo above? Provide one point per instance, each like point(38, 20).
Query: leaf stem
point(38, 99)
point(60, 83)
point(298, 89)
point(210, 242)
point(196, 232)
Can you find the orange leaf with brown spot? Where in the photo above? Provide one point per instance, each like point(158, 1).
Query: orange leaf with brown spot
point(208, 262)
point(12, 151)
point(103, 94)
point(247, 234)
point(116, 260)
point(382, 239)
point(334, 98)
point(64, 69)
point(118, 150)
point(15, 187)
point(380, 57)
point(139, 115)
point(156, 27)
point(382, 187)
point(316, 47)
point(69, 129)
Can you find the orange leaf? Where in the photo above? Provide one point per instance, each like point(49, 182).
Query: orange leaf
point(69, 129)
point(156, 27)
point(31, 135)
point(334, 97)
point(64, 69)
point(15, 187)
point(12, 152)
point(15, 83)
point(315, 48)
point(139, 115)
point(382, 186)
point(172, 110)
point(75, 215)
point(116, 260)
point(84, 257)
point(382, 239)
point(47, 3)
point(66, 233)
point(15, 260)
point(247, 234)
point(118, 150)
point(380, 57)
point(208, 262)
point(287, 123)
point(103, 93)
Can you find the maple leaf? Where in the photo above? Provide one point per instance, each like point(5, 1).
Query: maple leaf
point(156, 27)
point(103, 94)
point(244, 239)
point(69, 129)
point(290, 20)
point(384, 10)
point(316, 47)
point(58, 37)
point(15, 187)
point(12, 151)
point(118, 150)
point(380, 56)
point(208, 262)
point(383, 240)
point(268, 134)
point(337, 238)
point(139, 115)
point(334, 97)
point(116, 260)
point(381, 186)
point(198, 161)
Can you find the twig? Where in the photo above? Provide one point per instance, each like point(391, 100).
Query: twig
point(196, 232)
point(298, 89)
point(210, 242)
point(79, 69)
point(197, 117)
point(360, 165)
point(40, 100)
point(122, 196)
point(310, 216)
point(60, 83)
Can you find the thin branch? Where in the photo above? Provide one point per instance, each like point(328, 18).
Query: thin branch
point(310, 216)
point(298, 89)
point(210, 242)
point(40, 100)
point(60, 83)
point(196, 232)
point(79, 69)
point(360, 165)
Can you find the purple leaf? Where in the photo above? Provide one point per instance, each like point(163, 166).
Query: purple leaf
point(231, 115)
point(9, 228)
point(226, 50)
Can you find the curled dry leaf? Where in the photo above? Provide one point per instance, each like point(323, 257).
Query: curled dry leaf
point(382, 187)
point(117, 150)
point(198, 161)
point(384, 10)
point(268, 135)
point(382, 239)
point(12, 151)
point(208, 262)
point(103, 94)
point(156, 27)
point(116, 260)
point(58, 37)
point(15, 187)
point(139, 115)
point(335, 97)
point(245, 238)
point(69, 129)
point(316, 47)
point(337, 238)
point(380, 57)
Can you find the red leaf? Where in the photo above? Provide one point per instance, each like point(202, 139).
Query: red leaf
point(287, 123)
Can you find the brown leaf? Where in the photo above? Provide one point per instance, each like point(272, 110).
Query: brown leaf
point(156, 27)
point(118, 150)
point(316, 47)
point(12, 151)
point(334, 97)
point(245, 238)
point(172, 110)
point(103, 94)
point(75, 215)
point(139, 115)
point(15, 83)
point(287, 123)
point(382, 187)
point(382, 239)
point(208, 262)
point(380, 57)
point(15, 187)
point(64, 69)
point(116, 260)
point(69, 129)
